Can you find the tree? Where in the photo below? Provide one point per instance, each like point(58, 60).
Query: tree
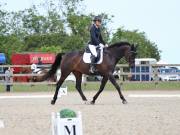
point(10, 44)
point(37, 41)
point(62, 27)
point(146, 48)
point(73, 42)
point(33, 22)
point(3, 21)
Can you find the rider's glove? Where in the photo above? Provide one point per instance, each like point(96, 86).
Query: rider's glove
point(101, 45)
point(106, 45)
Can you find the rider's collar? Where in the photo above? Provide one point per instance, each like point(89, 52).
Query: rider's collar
point(96, 26)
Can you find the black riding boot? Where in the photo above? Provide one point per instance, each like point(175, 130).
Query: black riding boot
point(93, 65)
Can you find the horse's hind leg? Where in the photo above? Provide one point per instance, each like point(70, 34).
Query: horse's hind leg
point(58, 85)
point(78, 76)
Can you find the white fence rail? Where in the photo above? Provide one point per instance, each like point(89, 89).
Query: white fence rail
point(121, 74)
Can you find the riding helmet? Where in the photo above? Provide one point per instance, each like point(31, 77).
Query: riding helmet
point(97, 18)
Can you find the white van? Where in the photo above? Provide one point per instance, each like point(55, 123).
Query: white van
point(168, 74)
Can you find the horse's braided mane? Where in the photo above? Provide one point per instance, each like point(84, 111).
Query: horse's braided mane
point(81, 52)
point(119, 44)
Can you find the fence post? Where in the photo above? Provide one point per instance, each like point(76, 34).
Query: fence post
point(121, 75)
point(156, 79)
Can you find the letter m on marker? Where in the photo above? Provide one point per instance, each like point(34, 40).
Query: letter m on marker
point(72, 131)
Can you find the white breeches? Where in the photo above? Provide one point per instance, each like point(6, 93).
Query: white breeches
point(93, 50)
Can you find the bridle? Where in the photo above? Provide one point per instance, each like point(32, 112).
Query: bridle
point(131, 53)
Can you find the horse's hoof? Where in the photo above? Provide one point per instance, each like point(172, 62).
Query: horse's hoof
point(86, 102)
point(92, 102)
point(124, 102)
point(52, 102)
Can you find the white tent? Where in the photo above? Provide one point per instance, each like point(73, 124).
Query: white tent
point(162, 62)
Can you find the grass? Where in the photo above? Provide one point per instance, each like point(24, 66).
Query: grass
point(95, 86)
point(152, 86)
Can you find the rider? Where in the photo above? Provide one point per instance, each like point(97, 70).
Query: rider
point(96, 41)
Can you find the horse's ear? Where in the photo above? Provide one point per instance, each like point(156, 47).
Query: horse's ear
point(135, 46)
point(132, 47)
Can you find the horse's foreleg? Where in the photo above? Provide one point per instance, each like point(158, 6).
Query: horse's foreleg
point(58, 85)
point(103, 83)
point(113, 81)
point(78, 76)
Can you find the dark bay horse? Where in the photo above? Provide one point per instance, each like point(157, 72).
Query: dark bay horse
point(73, 62)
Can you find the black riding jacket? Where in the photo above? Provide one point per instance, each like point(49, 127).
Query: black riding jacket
point(96, 37)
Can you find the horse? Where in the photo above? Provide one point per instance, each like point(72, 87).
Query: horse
point(73, 62)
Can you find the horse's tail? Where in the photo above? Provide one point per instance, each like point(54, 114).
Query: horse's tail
point(54, 67)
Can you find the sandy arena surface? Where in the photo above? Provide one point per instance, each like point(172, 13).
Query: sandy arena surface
point(141, 116)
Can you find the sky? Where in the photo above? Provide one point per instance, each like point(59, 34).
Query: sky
point(159, 19)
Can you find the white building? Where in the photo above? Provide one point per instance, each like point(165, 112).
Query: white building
point(143, 69)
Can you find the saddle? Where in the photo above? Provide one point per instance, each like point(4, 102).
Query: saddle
point(87, 55)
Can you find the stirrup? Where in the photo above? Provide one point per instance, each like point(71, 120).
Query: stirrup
point(92, 69)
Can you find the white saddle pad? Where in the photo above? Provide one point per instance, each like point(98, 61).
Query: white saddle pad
point(87, 57)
